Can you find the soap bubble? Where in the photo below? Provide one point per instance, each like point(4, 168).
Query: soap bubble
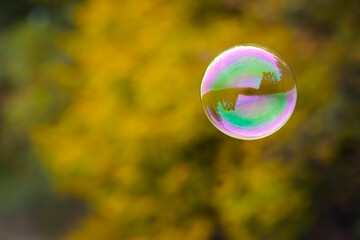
point(248, 91)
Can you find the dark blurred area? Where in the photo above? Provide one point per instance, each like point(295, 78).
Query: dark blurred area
point(29, 208)
point(103, 136)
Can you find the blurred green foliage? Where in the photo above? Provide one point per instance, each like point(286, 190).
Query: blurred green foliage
point(102, 100)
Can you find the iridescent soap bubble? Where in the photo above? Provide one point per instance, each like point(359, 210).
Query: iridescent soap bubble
point(248, 91)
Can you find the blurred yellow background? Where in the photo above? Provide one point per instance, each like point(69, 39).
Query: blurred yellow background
point(103, 136)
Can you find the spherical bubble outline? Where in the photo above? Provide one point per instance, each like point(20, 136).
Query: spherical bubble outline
point(253, 90)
